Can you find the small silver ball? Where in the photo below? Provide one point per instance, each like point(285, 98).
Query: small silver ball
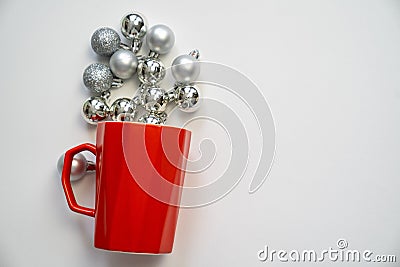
point(154, 99)
point(95, 109)
point(98, 77)
point(133, 26)
point(153, 118)
point(78, 167)
point(105, 41)
point(150, 71)
point(123, 109)
point(160, 39)
point(185, 69)
point(123, 63)
point(187, 98)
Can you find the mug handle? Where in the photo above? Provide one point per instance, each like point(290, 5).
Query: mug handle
point(66, 181)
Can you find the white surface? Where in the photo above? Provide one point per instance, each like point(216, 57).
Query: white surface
point(329, 69)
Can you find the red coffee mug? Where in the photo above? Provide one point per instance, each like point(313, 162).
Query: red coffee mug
point(139, 175)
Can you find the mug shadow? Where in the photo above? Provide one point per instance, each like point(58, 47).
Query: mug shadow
point(84, 191)
point(122, 259)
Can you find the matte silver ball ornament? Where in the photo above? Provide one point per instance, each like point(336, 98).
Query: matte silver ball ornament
point(95, 109)
point(133, 26)
point(123, 63)
point(123, 109)
point(154, 99)
point(78, 168)
point(160, 39)
point(105, 41)
point(98, 77)
point(150, 71)
point(187, 98)
point(185, 69)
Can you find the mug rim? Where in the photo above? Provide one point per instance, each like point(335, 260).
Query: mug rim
point(146, 124)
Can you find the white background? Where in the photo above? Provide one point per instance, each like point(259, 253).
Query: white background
point(330, 71)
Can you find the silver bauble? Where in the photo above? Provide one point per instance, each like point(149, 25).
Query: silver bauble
point(185, 69)
point(105, 41)
point(98, 77)
point(154, 99)
point(153, 118)
point(187, 98)
point(78, 168)
point(123, 109)
point(133, 26)
point(95, 109)
point(150, 71)
point(160, 39)
point(123, 63)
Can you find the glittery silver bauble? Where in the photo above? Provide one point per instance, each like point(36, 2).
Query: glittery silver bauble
point(150, 71)
point(105, 41)
point(187, 98)
point(78, 167)
point(153, 118)
point(98, 77)
point(123, 63)
point(154, 99)
point(123, 109)
point(185, 69)
point(95, 109)
point(160, 39)
point(133, 26)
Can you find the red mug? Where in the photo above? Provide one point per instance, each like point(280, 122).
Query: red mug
point(140, 170)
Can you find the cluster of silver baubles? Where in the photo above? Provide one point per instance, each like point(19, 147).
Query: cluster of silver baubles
point(125, 63)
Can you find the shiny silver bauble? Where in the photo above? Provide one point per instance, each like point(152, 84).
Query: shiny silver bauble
point(133, 26)
point(95, 109)
point(123, 109)
point(150, 71)
point(153, 118)
point(187, 98)
point(154, 99)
